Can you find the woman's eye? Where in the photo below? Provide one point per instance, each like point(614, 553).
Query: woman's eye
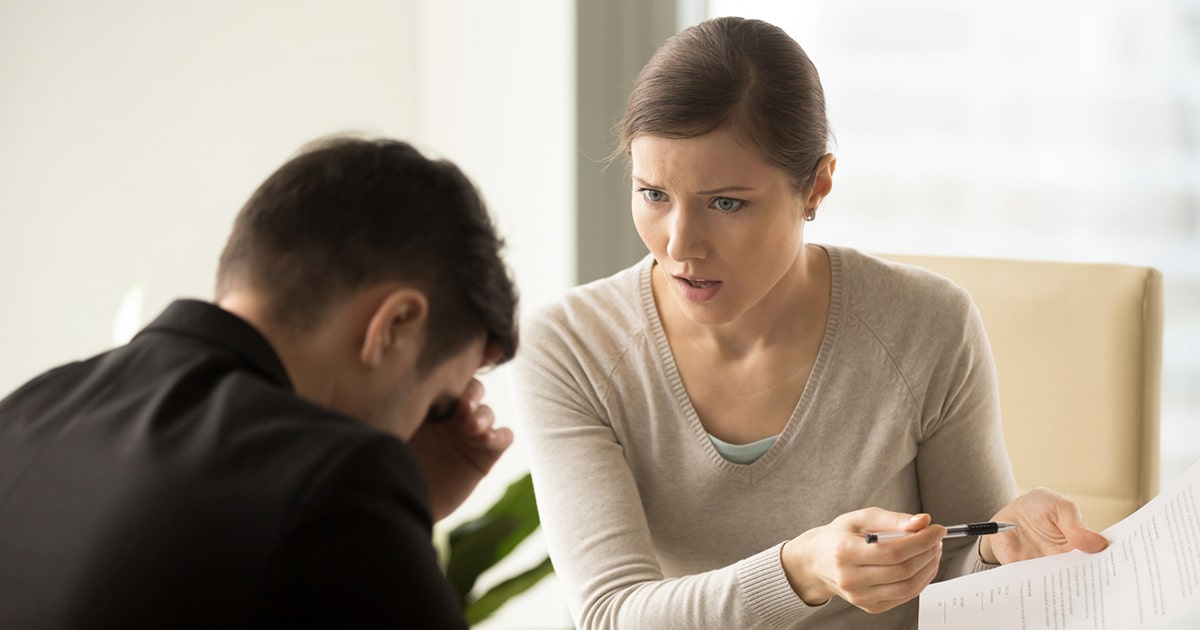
point(654, 196)
point(727, 204)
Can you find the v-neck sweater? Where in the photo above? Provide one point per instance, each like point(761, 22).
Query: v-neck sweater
point(648, 526)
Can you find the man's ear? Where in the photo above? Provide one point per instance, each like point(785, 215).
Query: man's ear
point(822, 182)
point(399, 319)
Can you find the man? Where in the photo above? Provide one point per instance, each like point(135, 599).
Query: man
point(275, 458)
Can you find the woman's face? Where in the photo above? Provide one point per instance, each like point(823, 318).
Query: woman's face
point(724, 225)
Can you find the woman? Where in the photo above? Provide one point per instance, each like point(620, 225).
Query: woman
point(713, 431)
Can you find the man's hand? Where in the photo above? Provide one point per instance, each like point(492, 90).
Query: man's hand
point(1047, 523)
point(456, 453)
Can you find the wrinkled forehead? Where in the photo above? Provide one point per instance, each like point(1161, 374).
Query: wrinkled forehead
point(700, 162)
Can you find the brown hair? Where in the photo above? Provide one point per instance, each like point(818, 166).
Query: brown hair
point(729, 70)
point(350, 212)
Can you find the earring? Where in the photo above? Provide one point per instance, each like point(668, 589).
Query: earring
point(810, 214)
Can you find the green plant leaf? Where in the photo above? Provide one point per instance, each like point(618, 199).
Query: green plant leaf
point(518, 502)
point(491, 601)
point(473, 550)
point(478, 544)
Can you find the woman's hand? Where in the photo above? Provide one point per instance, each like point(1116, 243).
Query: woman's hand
point(837, 560)
point(458, 451)
point(1047, 523)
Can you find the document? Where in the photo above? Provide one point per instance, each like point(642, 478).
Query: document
point(1148, 577)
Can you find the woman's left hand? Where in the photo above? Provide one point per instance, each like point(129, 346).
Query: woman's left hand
point(1047, 523)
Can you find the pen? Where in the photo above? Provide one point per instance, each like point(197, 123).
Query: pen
point(953, 531)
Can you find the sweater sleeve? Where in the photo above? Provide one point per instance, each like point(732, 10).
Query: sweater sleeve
point(592, 515)
point(962, 465)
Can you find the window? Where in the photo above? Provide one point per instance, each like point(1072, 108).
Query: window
point(1055, 130)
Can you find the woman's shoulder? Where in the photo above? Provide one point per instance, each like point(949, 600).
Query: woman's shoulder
point(905, 294)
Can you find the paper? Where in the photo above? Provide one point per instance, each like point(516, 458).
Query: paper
point(1148, 577)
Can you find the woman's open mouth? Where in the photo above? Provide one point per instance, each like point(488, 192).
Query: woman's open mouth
point(697, 289)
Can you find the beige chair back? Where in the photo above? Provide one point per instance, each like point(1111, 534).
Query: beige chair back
point(1078, 351)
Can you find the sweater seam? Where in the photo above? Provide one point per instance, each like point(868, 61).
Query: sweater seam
point(912, 397)
point(617, 363)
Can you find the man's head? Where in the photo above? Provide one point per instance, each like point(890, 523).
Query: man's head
point(347, 213)
point(375, 221)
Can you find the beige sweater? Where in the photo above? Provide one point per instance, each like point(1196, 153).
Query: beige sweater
point(649, 527)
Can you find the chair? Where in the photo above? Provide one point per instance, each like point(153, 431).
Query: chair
point(1078, 351)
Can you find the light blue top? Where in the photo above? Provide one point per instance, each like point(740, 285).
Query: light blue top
point(743, 453)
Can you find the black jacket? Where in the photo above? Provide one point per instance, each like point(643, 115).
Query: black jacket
point(179, 482)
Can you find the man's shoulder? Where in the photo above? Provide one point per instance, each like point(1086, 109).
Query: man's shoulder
point(198, 469)
point(178, 415)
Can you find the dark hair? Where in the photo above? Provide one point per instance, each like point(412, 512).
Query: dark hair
point(745, 73)
point(346, 213)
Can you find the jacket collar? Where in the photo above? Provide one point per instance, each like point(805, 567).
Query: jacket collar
point(211, 323)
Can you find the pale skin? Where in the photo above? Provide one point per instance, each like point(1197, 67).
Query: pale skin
point(744, 303)
point(360, 360)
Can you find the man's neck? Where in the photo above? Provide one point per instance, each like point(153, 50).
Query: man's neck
point(302, 355)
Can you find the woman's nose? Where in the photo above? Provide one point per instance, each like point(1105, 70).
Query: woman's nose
point(686, 239)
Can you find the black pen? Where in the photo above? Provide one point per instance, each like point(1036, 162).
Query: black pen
point(953, 531)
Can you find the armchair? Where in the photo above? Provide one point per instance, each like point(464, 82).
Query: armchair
point(1078, 351)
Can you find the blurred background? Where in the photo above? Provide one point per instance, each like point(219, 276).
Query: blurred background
point(131, 131)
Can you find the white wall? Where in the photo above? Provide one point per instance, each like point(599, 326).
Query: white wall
point(130, 134)
point(132, 131)
point(497, 97)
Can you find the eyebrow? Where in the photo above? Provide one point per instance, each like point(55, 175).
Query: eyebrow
point(714, 191)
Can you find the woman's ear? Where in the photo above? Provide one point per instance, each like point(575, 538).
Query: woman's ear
point(398, 322)
point(822, 182)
